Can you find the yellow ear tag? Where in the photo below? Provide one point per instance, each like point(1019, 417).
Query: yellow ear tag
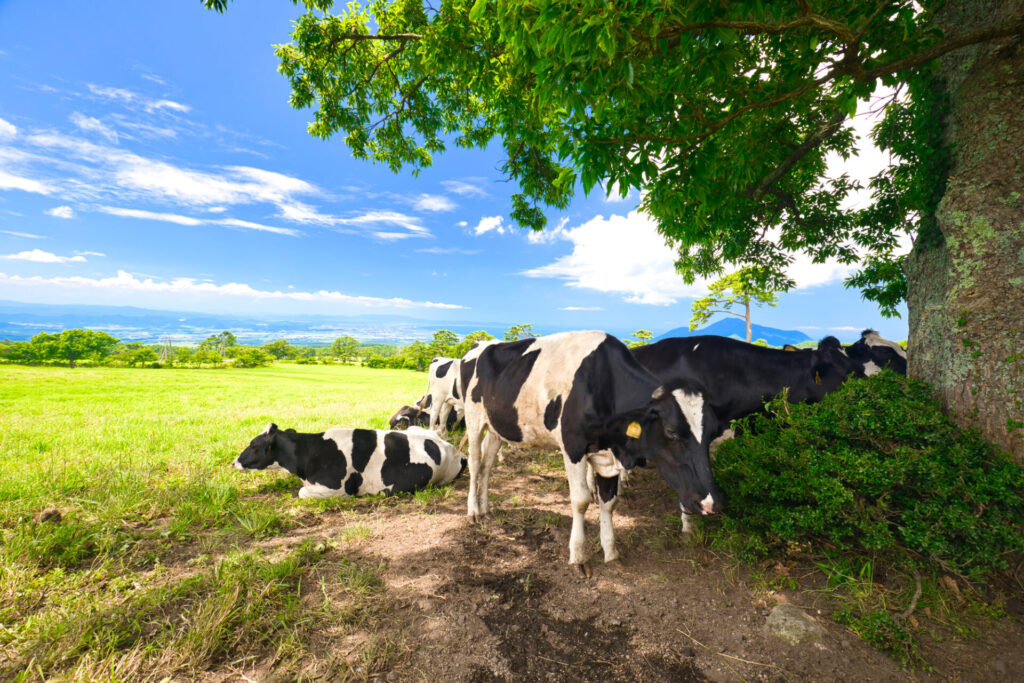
point(817, 378)
point(633, 430)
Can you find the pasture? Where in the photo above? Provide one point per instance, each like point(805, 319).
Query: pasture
point(163, 562)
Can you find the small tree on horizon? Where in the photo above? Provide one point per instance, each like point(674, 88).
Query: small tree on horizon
point(523, 331)
point(640, 338)
point(740, 288)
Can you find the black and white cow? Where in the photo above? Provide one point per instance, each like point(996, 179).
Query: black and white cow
point(353, 462)
point(873, 353)
point(441, 390)
point(418, 415)
point(583, 393)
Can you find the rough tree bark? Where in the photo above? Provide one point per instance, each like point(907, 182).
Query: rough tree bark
point(966, 298)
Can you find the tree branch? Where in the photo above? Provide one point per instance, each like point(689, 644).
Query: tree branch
point(380, 36)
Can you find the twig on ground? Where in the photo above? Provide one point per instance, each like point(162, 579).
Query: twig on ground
point(913, 601)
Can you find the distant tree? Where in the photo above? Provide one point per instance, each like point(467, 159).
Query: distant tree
point(460, 349)
point(19, 352)
point(183, 355)
point(73, 345)
point(740, 288)
point(204, 355)
point(520, 332)
point(344, 348)
point(279, 349)
point(416, 356)
point(640, 338)
point(442, 342)
point(251, 357)
point(219, 342)
point(132, 354)
point(761, 342)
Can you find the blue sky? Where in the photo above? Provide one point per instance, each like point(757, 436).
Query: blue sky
point(149, 157)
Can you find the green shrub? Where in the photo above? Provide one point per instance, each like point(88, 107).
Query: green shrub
point(874, 467)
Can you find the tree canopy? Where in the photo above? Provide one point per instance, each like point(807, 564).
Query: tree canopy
point(674, 98)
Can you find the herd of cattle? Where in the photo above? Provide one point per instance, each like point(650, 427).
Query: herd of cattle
point(606, 407)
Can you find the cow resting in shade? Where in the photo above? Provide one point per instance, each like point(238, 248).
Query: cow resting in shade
point(353, 462)
point(418, 414)
point(583, 393)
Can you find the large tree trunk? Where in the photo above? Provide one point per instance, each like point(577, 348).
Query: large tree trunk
point(966, 298)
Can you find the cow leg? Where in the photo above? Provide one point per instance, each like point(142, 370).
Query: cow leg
point(442, 418)
point(579, 498)
point(687, 525)
point(319, 491)
point(607, 492)
point(488, 452)
point(475, 433)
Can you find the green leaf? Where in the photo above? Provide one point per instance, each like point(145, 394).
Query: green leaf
point(476, 12)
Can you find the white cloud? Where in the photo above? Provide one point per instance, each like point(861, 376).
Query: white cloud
point(613, 193)
point(94, 125)
point(61, 212)
point(189, 220)
point(581, 308)
point(462, 224)
point(9, 181)
point(464, 189)
point(26, 235)
point(127, 282)
point(7, 129)
point(433, 202)
point(134, 99)
point(150, 215)
point(90, 253)
point(40, 256)
point(448, 250)
point(622, 255)
point(548, 235)
point(489, 223)
point(372, 219)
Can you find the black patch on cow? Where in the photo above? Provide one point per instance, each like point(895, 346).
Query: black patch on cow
point(364, 443)
point(353, 483)
point(607, 487)
point(432, 450)
point(317, 460)
point(443, 369)
point(552, 413)
point(455, 389)
point(502, 369)
point(426, 403)
point(397, 471)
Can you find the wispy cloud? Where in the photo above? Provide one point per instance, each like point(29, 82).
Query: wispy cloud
point(465, 189)
point(135, 99)
point(9, 181)
point(433, 202)
point(189, 220)
point(372, 220)
point(94, 125)
point(40, 256)
point(61, 212)
point(7, 129)
point(127, 282)
point(26, 235)
point(581, 308)
point(448, 250)
point(548, 235)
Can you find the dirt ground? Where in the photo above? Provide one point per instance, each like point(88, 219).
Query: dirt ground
point(498, 601)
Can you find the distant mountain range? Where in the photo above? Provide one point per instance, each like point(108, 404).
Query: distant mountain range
point(737, 328)
point(21, 321)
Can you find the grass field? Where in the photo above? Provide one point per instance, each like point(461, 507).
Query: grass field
point(137, 462)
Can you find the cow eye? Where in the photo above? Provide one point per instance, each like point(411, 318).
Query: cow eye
point(672, 434)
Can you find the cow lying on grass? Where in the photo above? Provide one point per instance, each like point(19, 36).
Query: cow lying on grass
point(418, 414)
point(353, 462)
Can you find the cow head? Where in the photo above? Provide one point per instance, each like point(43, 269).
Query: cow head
point(268, 451)
point(871, 353)
point(669, 433)
point(406, 417)
point(830, 366)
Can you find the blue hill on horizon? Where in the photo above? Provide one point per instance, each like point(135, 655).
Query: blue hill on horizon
point(737, 329)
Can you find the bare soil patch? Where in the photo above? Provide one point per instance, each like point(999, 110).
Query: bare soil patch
point(498, 601)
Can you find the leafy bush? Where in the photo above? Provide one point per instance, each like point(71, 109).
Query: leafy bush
point(874, 467)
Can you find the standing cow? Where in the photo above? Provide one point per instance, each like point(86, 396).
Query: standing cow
point(441, 395)
point(872, 353)
point(583, 393)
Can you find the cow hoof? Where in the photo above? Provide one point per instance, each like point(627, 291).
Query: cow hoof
point(616, 562)
point(584, 569)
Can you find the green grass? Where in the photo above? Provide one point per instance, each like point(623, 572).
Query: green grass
point(152, 566)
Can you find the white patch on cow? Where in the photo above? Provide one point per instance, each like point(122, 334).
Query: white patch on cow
point(605, 464)
point(238, 465)
point(685, 518)
point(870, 368)
point(692, 406)
point(274, 467)
point(560, 355)
point(266, 430)
point(713, 446)
point(707, 505)
point(319, 491)
point(874, 339)
point(695, 346)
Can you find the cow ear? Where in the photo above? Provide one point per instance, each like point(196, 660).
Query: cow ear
point(789, 347)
